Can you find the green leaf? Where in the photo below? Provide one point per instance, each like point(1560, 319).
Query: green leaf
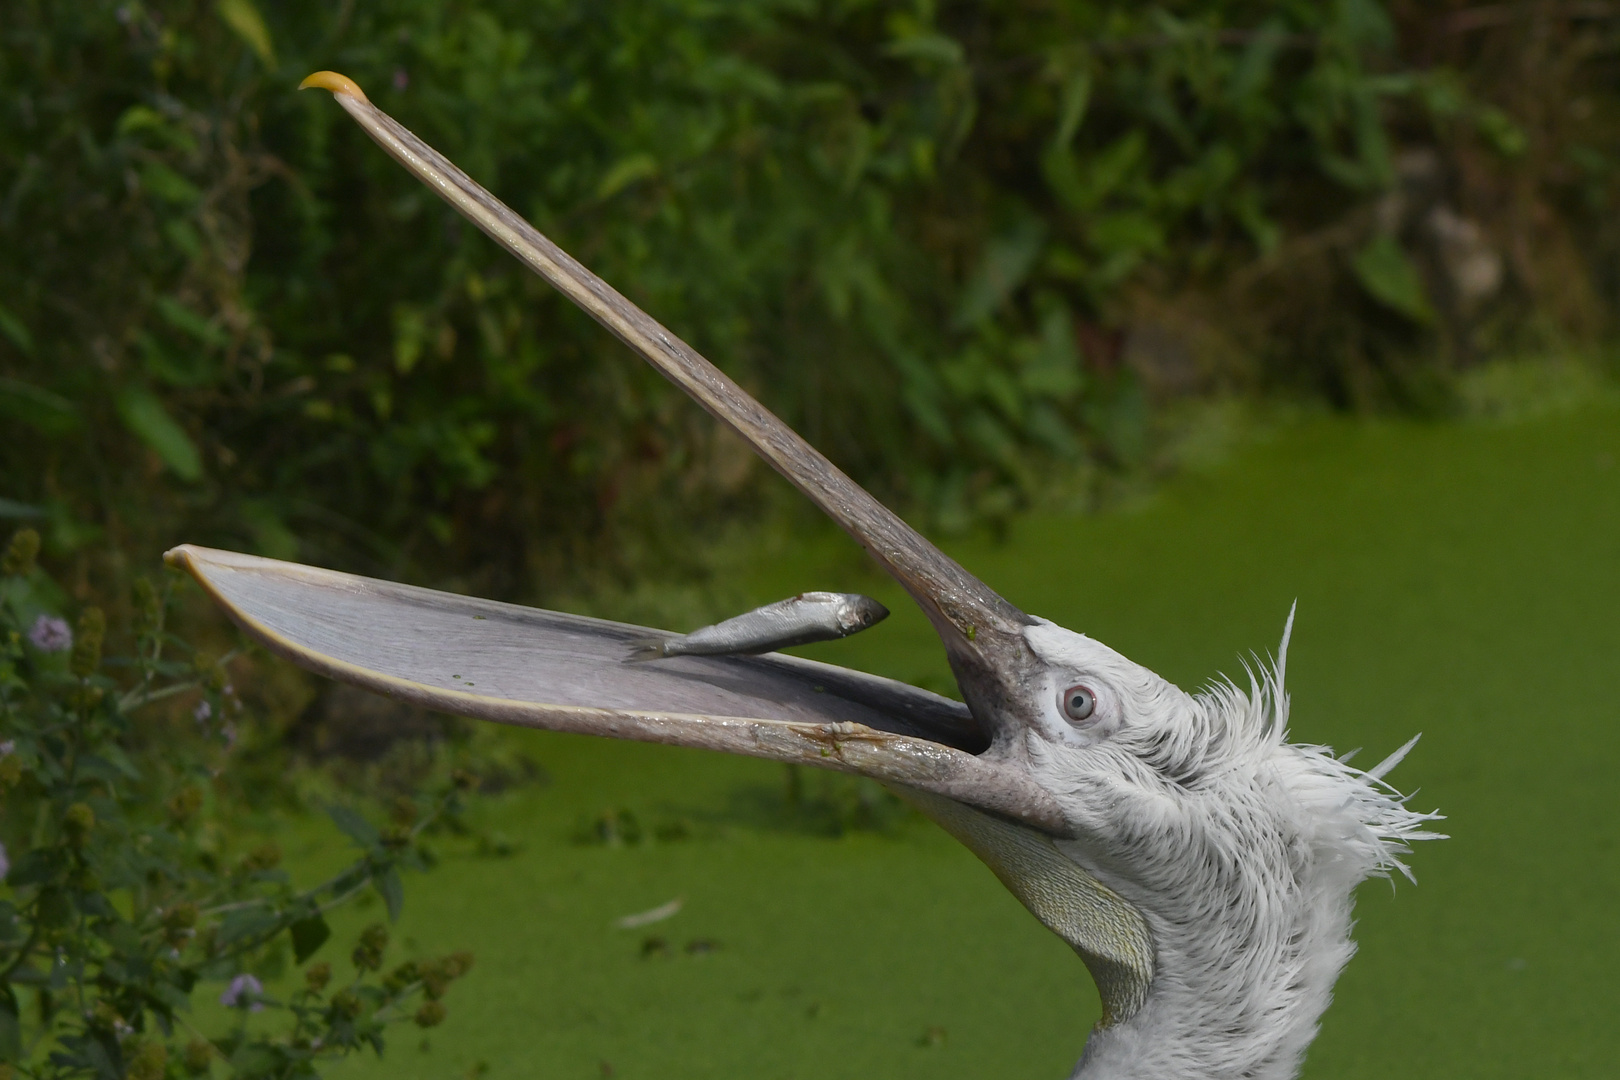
point(1499, 129)
point(184, 319)
point(45, 412)
point(308, 935)
point(1129, 232)
point(120, 760)
point(246, 923)
point(37, 867)
point(1006, 262)
point(1050, 365)
point(1253, 71)
point(140, 118)
point(1072, 104)
point(625, 172)
point(272, 537)
point(410, 334)
point(1082, 188)
point(392, 890)
point(930, 46)
point(244, 18)
point(150, 422)
point(99, 768)
point(353, 826)
point(10, 1026)
point(169, 185)
point(16, 330)
point(1390, 278)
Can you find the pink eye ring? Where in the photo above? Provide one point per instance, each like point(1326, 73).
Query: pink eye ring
point(1078, 704)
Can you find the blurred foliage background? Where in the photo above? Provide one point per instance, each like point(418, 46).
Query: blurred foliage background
point(974, 251)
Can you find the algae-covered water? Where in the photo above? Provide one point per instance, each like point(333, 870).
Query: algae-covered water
point(1462, 580)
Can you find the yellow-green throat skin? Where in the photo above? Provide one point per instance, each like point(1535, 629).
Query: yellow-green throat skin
point(1109, 934)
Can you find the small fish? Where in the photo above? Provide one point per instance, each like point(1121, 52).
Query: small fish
point(811, 616)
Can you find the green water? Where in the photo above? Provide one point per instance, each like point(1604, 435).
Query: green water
point(1459, 580)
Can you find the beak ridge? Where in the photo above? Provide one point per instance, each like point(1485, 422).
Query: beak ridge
point(981, 631)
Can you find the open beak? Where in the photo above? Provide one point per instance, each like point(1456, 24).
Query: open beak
point(519, 665)
point(546, 669)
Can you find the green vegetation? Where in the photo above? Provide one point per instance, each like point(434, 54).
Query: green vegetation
point(121, 900)
point(1459, 580)
point(1006, 262)
point(962, 247)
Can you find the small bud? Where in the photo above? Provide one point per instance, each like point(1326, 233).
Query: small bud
point(317, 976)
point(437, 975)
point(368, 954)
point(346, 1004)
point(395, 837)
point(403, 812)
point(77, 823)
point(464, 780)
point(266, 856)
point(401, 977)
point(148, 1062)
point(87, 642)
point(199, 1055)
point(431, 1014)
point(21, 553)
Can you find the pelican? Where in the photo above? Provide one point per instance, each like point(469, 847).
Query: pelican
point(1200, 864)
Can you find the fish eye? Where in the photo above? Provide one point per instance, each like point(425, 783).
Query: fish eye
point(1078, 703)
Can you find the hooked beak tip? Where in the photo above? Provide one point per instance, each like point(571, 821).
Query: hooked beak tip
point(338, 84)
point(179, 558)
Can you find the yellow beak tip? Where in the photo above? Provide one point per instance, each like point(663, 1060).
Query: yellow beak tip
point(338, 84)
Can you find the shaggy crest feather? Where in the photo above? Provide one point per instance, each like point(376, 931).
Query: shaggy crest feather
point(1241, 850)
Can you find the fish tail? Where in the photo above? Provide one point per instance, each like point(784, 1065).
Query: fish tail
point(650, 648)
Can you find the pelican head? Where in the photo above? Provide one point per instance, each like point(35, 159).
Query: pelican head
point(1200, 864)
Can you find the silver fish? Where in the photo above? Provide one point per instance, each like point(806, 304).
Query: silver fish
point(799, 620)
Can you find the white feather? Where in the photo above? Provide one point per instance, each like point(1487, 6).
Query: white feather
point(1242, 851)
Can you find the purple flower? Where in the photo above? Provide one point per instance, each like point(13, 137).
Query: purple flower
point(7, 747)
point(244, 990)
point(202, 712)
point(5, 863)
point(401, 79)
point(50, 634)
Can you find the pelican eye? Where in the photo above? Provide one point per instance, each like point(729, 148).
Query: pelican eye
point(1079, 703)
